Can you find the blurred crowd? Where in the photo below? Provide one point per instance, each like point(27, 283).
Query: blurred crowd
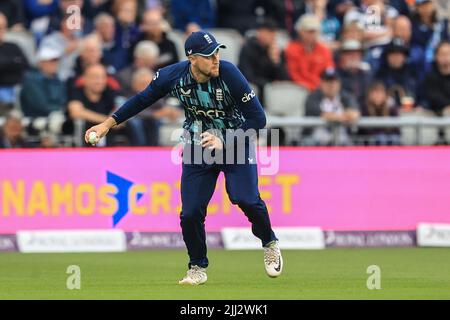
point(371, 58)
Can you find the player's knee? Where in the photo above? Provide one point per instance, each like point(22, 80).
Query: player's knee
point(245, 202)
point(191, 214)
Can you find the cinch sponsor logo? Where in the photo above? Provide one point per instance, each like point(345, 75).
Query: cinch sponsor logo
point(248, 96)
point(120, 197)
point(210, 113)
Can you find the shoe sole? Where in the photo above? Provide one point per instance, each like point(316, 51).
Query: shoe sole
point(191, 284)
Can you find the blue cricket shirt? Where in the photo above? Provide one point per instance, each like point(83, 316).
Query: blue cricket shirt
point(224, 102)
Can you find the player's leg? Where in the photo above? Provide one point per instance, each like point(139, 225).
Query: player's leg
point(197, 187)
point(242, 188)
point(241, 181)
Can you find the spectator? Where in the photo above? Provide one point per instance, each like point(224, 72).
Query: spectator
point(330, 26)
point(437, 82)
point(285, 13)
point(333, 105)
point(191, 27)
point(352, 31)
point(127, 31)
point(11, 136)
point(38, 15)
point(13, 9)
point(42, 92)
point(306, 58)
point(114, 54)
point(353, 72)
point(378, 103)
point(153, 4)
point(377, 31)
point(367, 8)
point(401, 6)
point(68, 41)
point(145, 56)
point(90, 54)
point(201, 12)
point(145, 127)
point(238, 15)
point(376, 18)
point(35, 9)
point(82, 24)
point(94, 101)
point(443, 10)
point(402, 29)
point(397, 75)
point(427, 31)
point(260, 59)
point(92, 8)
point(12, 66)
point(339, 8)
point(47, 141)
point(152, 29)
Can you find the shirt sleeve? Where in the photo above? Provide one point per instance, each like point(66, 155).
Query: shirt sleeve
point(158, 88)
point(246, 100)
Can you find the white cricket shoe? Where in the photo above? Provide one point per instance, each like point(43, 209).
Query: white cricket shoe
point(273, 261)
point(195, 276)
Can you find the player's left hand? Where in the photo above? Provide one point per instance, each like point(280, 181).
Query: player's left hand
point(211, 141)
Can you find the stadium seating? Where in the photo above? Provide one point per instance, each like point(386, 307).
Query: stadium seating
point(283, 101)
point(178, 38)
point(282, 37)
point(286, 99)
point(25, 41)
point(424, 135)
point(17, 104)
point(447, 129)
point(232, 39)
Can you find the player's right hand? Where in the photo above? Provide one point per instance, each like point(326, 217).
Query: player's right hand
point(101, 130)
point(211, 141)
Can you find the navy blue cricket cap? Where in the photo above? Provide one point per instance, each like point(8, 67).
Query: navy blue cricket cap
point(202, 43)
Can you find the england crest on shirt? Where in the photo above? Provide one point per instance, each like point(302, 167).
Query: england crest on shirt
point(219, 94)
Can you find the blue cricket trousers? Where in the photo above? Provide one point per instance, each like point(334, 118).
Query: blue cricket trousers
point(198, 182)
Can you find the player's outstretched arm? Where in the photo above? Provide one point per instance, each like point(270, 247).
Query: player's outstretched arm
point(100, 130)
point(159, 87)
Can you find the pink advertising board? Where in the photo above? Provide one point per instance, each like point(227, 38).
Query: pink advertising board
point(138, 189)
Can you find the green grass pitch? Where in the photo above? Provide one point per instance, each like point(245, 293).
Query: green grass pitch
point(408, 273)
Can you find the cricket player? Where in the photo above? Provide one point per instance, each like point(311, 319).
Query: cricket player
point(216, 99)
